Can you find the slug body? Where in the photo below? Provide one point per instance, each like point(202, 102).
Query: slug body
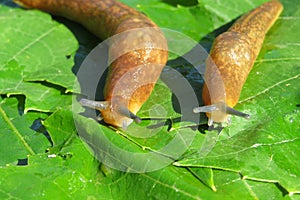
point(231, 58)
point(136, 59)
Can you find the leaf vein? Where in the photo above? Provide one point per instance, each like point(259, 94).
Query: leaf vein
point(32, 43)
point(15, 130)
point(277, 59)
point(252, 193)
point(171, 187)
point(269, 88)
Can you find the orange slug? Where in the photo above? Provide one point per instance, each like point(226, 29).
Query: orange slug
point(133, 74)
point(231, 58)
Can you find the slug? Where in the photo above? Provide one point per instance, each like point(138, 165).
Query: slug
point(134, 72)
point(230, 60)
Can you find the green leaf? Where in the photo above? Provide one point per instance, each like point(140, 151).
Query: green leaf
point(159, 106)
point(63, 173)
point(254, 159)
point(18, 139)
point(49, 177)
point(31, 54)
point(116, 151)
point(234, 187)
point(197, 20)
point(72, 172)
point(35, 43)
point(205, 175)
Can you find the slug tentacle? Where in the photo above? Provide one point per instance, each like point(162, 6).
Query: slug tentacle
point(105, 106)
point(137, 53)
point(99, 105)
point(129, 114)
point(218, 109)
point(231, 111)
point(231, 58)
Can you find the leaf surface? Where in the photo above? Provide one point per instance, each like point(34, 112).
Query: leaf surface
point(76, 157)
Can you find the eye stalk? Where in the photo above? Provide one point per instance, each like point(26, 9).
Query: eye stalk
point(220, 112)
point(122, 112)
point(99, 105)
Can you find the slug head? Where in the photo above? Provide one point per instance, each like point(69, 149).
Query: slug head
point(113, 112)
point(219, 112)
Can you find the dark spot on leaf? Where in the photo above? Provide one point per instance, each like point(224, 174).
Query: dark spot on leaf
point(241, 175)
point(203, 127)
point(21, 104)
point(68, 56)
point(66, 156)
point(39, 127)
point(52, 85)
point(282, 189)
point(58, 87)
point(218, 128)
point(22, 162)
point(181, 2)
point(298, 105)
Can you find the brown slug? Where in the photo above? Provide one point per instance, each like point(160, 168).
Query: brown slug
point(231, 58)
point(134, 72)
